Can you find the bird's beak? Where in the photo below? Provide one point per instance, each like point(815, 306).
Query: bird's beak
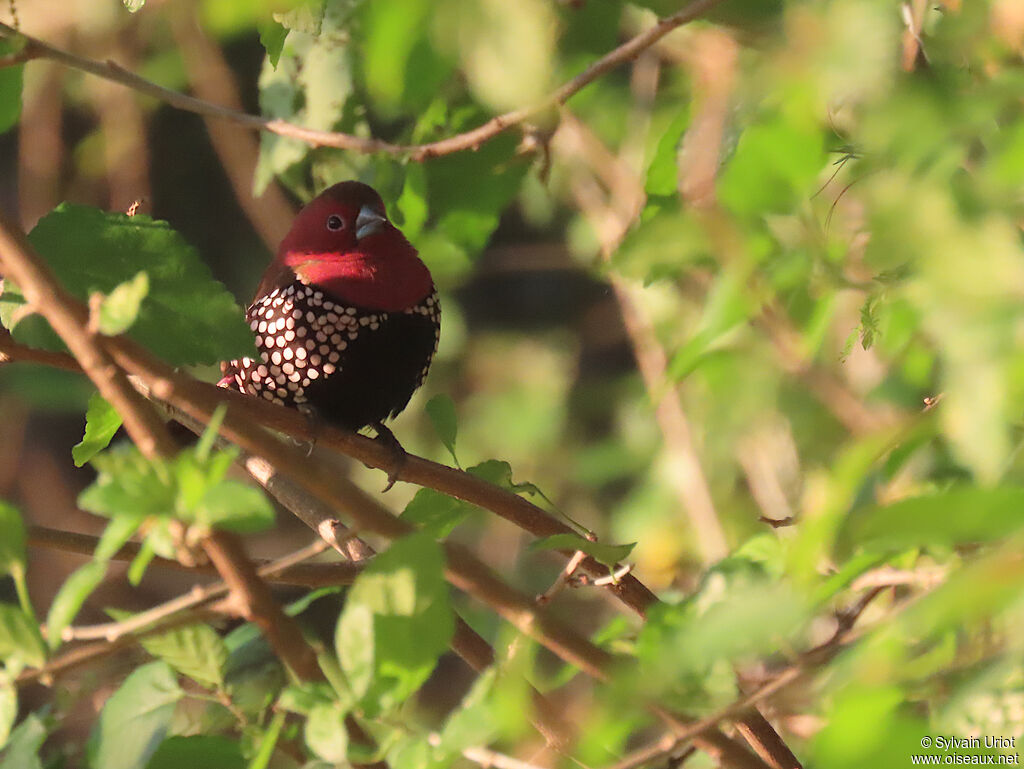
point(368, 222)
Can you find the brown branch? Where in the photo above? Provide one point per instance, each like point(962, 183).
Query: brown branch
point(193, 599)
point(629, 50)
point(299, 575)
point(463, 569)
point(69, 318)
point(256, 604)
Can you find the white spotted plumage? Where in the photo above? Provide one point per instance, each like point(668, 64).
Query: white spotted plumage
point(302, 335)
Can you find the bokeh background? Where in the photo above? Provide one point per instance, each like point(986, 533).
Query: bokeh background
point(764, 276)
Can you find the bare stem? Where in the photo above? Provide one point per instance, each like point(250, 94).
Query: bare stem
point(36, 49)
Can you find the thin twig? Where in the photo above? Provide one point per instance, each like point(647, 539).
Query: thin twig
point(109, 70)
point(302, 575)
point(193, 599)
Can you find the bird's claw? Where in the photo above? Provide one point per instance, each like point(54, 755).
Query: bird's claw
point(398, 454)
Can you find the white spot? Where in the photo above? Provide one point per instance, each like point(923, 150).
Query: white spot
point(310, 344)
point(328, 369)
point(313, 373)
point(289, 336)
point(276, 356)
point(350, 310)
point(342, 345)
point(288, 368)
point(300, 331)
point(268, 395)
point(333, 357)
point(295, 376)
point(254, 325)
point(314, 360)
point(310, 317)
point(262, 326)
point(324, 349)
point(264, 356)
point(336, 339)
point(300, 353)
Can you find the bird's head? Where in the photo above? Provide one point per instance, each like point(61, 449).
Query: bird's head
point(344, 243)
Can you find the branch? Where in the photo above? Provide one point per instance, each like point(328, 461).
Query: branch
point(300, 574)
point(37, 49)
point(463, 569)
point(417, 470)
point(69, 318)
point(193, 599)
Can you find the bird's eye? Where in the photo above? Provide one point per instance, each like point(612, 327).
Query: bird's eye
point(335, 222)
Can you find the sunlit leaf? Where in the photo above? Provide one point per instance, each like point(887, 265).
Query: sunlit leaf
point(136, 718)
point(101, 424)
point(186, 317)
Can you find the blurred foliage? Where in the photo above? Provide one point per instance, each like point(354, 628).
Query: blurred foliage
point(857, 258)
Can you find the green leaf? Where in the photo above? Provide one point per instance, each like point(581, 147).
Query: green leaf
point(69, 599)
point(958, 516)
point(774, 165)
point(235, 506)
point(120, 308)
point(195, 651)
point(272, 37)
point(101, 424)
point(412, 202)
point(663, 173)
point(136, 718)
point(10, 85)
point(310, 84)
point(187, 318)
point(22, 750)
point(325, 732)
point(128, 484)
point(12, 540)
point(199, 751)
point(402, 69)
point(435, 513)
point(473, 722)
point(134, 5)
point(19, 637)
point(441, 410)
point(8, 709)
point(609, 555)
point(397, 621)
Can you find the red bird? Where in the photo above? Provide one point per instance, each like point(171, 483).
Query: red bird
point(346, 317)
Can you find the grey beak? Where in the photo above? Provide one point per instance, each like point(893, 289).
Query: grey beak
point(368, 222)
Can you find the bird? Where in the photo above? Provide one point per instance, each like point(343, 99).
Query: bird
point(346, 318)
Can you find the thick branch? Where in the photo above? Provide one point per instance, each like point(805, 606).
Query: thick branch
point(35, 49)
point(69, 318)
point(417, 470)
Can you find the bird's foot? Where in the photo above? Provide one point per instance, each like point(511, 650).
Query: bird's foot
point(312, 425)
point(398, 454)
